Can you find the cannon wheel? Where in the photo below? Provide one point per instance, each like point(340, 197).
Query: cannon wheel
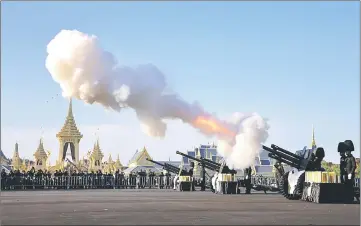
point(283, 185)
point(297, 194)
point(299, 187)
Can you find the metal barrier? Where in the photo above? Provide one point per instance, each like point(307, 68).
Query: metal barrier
point(261, 180)
point(118, 181)
point(85, 182)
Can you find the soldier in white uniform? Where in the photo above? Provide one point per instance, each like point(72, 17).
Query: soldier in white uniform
point(214, 182)
point(175, 182)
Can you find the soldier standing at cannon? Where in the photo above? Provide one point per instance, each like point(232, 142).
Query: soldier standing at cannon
point(350, 167)
point(247, 179)
point(342, 149)
point(191, 175)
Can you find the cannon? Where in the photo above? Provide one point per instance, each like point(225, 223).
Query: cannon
point(183, 181)
point(306, 180)
point(223, 181)
point(204, 165)
point(225, 177)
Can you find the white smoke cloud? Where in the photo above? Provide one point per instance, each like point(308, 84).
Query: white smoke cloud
point(87, 72)
point(242, 151)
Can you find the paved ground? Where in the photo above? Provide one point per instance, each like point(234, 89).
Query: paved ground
point(156, 207)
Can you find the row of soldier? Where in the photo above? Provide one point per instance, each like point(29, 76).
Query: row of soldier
point(32, 179)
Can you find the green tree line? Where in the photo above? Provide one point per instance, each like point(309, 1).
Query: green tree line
point(330, 167)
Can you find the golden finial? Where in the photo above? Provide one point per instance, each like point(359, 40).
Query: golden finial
point(313, 144)
point(70, 109)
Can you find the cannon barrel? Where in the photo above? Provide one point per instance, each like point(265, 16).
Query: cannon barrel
point(175, 169)
point(155, 162)
point(275, 147)
point(282, 160)
point(295, 161)
point(188, 156)
point(167, 166)
point(207, 165)
point(212, 162)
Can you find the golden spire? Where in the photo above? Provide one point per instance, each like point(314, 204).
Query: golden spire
point(40, 152)
point(16, 148)
point(97, 153)
point(16, 161)
point(313, 144)
point(70, 109)
point(97, 145)
point(118, 164)
point(69, 128)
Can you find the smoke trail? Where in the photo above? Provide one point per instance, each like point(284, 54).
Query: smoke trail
point(87, 72)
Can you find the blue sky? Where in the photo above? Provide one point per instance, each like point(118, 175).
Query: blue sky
point(296, 63)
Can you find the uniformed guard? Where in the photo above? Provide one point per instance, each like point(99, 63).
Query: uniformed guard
point(247, 179)
point(161, 180)
point(342, 151)
point(191, 175)
point(279, 171)
point(350, 167)
point(214, 182)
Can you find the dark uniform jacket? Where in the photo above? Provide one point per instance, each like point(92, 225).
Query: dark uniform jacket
point(190, 172)
point(350, 165)
point(248, 172)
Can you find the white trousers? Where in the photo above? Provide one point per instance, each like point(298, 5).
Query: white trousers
point(175, 182)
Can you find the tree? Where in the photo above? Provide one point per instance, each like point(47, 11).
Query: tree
point(357, 172)
point(330, 167)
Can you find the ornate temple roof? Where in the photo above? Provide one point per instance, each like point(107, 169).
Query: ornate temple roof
point(135, 157)
point(139, 158)
point(2, 155)
point(3, 159)
point(118, 164)
point(69, 128)
point(110, 160)
point(40, 152)
point(97, 153)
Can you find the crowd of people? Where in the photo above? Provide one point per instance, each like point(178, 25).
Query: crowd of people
point(39, 179)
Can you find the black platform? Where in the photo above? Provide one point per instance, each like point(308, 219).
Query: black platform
point(185, 186)
point(229, 188)
point(326, 193)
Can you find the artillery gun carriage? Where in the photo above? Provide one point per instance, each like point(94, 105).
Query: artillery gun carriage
point(306, 179)
point(183, 180)
point(223, 181)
